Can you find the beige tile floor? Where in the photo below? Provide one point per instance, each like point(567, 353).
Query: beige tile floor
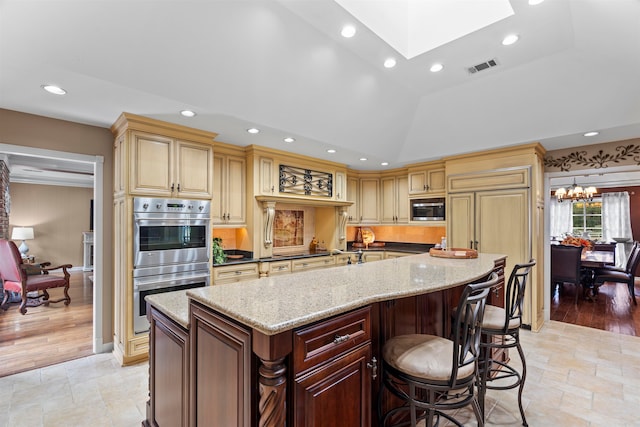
point(577, 376)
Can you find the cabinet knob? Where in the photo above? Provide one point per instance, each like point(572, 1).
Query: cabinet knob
point(178, 188)
point(272, 188)
point(373, 365)
point(173, 187)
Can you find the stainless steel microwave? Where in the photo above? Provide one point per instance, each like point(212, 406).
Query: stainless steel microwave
point(427, 209)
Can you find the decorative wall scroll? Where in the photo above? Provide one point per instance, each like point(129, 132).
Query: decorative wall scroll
point(305, 182)
point(597, 160)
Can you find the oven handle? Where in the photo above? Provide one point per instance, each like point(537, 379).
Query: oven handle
point(156, 284)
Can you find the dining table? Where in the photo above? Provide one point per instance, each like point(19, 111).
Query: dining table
point(589, 261)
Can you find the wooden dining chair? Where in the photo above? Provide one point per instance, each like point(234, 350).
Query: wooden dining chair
point(565, 266)
point(620, 275)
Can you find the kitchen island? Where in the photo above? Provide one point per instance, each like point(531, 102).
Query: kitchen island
point(291, 349)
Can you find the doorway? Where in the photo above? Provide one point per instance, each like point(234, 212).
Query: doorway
point(97, 165)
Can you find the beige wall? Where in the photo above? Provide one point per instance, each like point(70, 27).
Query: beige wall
point(58, 216)
point(41, 132)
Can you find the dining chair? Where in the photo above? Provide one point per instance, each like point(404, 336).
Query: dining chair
point(501, 332)
point(620, 275)
point(565, 266)
point(432, 374)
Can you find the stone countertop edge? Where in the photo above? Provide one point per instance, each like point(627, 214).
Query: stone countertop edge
point(174, 305)
point(277, 304)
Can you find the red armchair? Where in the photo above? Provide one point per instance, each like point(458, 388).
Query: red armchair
point(15, 279)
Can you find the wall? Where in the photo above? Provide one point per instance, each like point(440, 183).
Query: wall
point(58, 228)
point(41, 132)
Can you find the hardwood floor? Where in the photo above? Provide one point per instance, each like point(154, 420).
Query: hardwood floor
point(612, 311)
point(48, 335)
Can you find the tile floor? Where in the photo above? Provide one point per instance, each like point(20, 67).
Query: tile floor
point(577, 376)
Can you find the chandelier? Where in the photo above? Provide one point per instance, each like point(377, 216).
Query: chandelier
point(575, 193)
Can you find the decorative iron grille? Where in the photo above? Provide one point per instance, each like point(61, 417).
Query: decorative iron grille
point(305, 182)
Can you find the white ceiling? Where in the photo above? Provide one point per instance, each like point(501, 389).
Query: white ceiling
point(282, 66)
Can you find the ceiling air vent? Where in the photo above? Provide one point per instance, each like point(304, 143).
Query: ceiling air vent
point(483, 66)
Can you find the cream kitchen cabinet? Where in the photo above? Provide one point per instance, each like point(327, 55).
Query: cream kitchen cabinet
point(169, 167)
point(229, 190)
point(235, 273)
point(427, 180)
point(305, 264)
point(369, 204)
point(373, 256)
point(340, 186)
point(268, 176)
point(395, 200)
point(393, 254)
point(353, 195)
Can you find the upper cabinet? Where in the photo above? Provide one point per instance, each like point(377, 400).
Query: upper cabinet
point(340, 186)
point(229, 190)
point(427, 179)
point(353, 195)
point(369, 201)
point(395, 200)
point(159, 159)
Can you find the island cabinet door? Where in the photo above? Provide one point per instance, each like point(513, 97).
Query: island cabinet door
point(336, 394)
point(168, 373)
point(220, 371)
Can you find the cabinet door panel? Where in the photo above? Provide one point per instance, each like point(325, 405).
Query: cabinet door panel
point(236, 190)
point(417, 182)
point(353, 195)
point(370, 201)
point(219, 182)
point(338, 393)
point(460, 220)
point(402, 200)
point(388, 197)
point(151, 165)
point(194, 166)
point(436, 180)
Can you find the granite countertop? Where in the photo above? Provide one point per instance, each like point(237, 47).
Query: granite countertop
point(174, 304)
point(276, 304)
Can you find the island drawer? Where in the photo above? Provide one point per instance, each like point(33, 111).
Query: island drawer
point(329, 339)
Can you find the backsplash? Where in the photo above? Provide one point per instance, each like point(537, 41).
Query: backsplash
point(400, 233)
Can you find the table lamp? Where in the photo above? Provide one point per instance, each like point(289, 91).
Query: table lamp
point(22, 233)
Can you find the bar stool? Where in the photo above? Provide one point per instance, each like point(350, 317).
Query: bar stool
point(501, 331)
point(432, 374)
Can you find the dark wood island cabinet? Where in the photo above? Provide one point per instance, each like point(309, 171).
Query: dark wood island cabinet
point(296, 350)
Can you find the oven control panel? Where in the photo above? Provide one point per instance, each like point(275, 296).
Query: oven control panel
point(158, 205)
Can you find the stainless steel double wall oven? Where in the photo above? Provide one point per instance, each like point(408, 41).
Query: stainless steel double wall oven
point(172, 247)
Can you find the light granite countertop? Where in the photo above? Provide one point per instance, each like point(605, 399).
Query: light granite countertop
point(277, 304)
point(174, 304)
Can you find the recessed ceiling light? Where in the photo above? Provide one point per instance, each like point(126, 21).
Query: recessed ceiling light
point(289, 139)
point(510, 39)
point(253, 130)
point(535, 2)
point(389, 63)
point(436, 67)
point(56, 90)
point(363, 159)
point(592, 133)
point(188, 113)
point(331, 150)
point(384, 164)
point(348, 31)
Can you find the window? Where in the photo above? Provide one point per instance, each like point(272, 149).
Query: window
point(587, 216)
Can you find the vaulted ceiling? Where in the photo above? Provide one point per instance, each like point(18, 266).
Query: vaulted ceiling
point(283, 67)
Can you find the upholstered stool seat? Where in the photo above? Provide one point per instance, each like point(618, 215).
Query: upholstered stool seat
point(494, 319)
point(424, 356)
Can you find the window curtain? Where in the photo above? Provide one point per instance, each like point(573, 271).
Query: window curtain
point(616, 221)
point(560, 217)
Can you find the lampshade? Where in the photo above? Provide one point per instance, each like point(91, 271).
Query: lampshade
point(22, 233)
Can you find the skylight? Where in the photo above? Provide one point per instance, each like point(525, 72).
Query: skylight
point(413, 27)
